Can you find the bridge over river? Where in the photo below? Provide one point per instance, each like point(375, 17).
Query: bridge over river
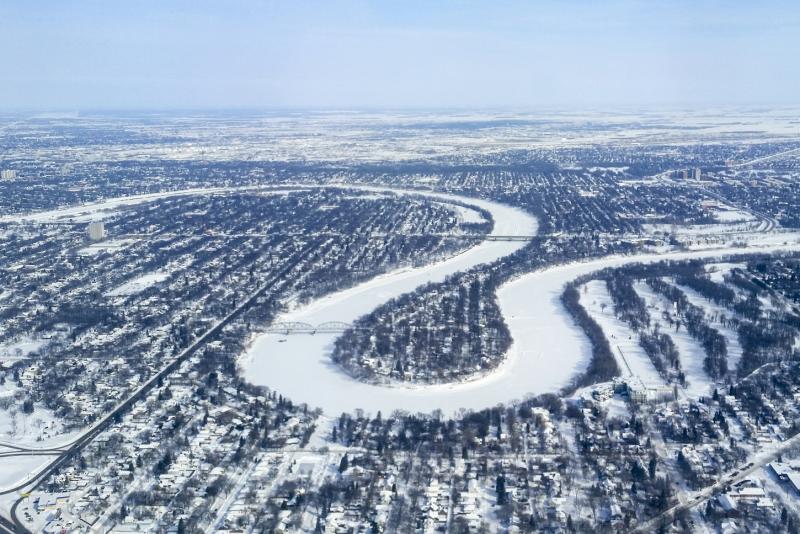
point(290, 327)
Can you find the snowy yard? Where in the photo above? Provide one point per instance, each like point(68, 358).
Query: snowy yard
point(20, 348)
point(110, 246)
point(137, 285)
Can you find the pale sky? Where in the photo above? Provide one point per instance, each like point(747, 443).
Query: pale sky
point(333, 54)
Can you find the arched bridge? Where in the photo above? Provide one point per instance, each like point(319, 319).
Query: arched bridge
point(287, 328)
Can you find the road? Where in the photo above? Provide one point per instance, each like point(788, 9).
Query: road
point(7, 527)
point(731, 477)
point(765, 158)
point(769, 222)
point(219, 516)
point(22, 448)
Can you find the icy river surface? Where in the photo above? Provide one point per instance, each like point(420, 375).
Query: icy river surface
point(548, 350)
point(299, 366)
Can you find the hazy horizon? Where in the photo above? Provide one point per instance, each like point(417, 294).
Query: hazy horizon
point(366, 56)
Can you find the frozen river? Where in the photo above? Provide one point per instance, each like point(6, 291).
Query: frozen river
point(547, 350)
point(299, 366)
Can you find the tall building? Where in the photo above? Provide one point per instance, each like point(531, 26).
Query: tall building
point(8, 174)
point(698, 173)
point(97, 231)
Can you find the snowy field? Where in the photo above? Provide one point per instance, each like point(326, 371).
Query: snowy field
point(20, 348)
point(465, 214)
point(111, 246)
point(633, 361)
point(370, 136)
point(37, 429)
point(700, 230)
point(137, 285)
point(690, 353)
point(717, 271)
point(716, 316)
point(17, 469)
point(732, 215)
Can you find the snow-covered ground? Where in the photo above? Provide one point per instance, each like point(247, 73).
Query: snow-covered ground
point(137, 285)
point(17, 469)
point(716, 316)
point(624, 342)
point(20, 348)
point(736, 225)
point(717, 271)
point(690, 352)
point(465, 214)
point(732, 215)
point(39, 429)
point(112, 245)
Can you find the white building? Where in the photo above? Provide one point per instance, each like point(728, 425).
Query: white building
point(8, 174)
point(97, 231)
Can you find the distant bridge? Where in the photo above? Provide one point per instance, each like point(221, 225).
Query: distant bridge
point(289, 328)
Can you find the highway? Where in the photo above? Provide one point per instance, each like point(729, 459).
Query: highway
point(769, 222)
point(7, 527)
point(765, 158)
point(79, 443)
point(15, 447)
